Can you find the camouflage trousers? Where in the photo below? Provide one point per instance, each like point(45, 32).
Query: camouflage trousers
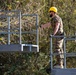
point(59, 50)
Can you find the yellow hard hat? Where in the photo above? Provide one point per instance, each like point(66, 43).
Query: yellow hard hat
point(54, 9)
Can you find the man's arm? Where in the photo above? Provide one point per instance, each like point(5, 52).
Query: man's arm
point(46, 25)
point(56, 28)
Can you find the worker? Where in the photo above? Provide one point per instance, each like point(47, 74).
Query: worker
point(57, 28)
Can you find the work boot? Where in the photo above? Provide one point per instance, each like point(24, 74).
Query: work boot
point(58, 66)
point(59, 63)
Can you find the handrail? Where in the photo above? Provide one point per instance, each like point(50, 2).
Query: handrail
point(64, 53)
point(8, 30)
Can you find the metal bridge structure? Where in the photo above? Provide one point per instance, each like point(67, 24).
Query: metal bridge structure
point(65, 70)
point(14, 29)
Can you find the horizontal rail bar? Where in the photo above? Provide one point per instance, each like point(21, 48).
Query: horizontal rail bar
point(4, 16)
point(57, 36)
point(29, 15)
point(2, 29)
point(70, 38)
point(65, 37)
point(31, 32)
point(10, 11)
point(67, 54)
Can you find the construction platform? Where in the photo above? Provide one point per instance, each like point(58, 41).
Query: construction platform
point(19, 48)
point(65, 70)
point(17, 25)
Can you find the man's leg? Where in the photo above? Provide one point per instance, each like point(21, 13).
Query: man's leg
point(59, 50)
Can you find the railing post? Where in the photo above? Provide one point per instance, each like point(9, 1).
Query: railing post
point(37, 32)
point(8, 19)
point(20, 40)
point(64, 43)
point(51, 52)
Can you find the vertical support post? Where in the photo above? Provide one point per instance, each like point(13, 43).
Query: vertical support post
point(37, 32)
point(75, 36)
point(64, 52)
point(20, 28)
point(8, 19)
point(51, 53)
